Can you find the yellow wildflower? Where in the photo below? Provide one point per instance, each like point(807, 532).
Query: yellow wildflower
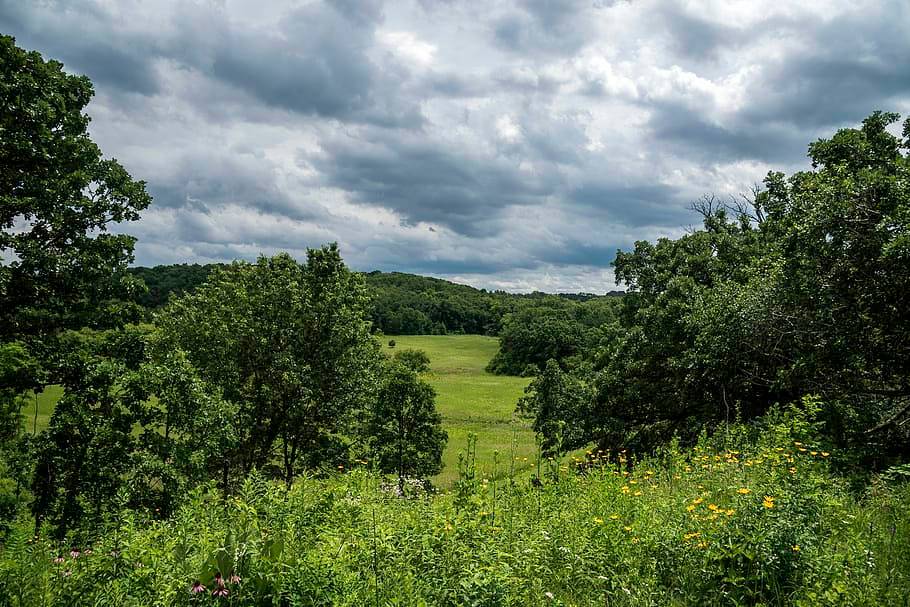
point(825, 454)
point(768, 502)
point(598, 520)
point(796, 548)
point(614, 517)
point(729, 512)
point(690, 507)
point(744, 491)
point(712, 507)
point(698, 500)
point(637, 493)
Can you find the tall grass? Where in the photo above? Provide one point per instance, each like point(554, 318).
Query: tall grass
point(762, 521)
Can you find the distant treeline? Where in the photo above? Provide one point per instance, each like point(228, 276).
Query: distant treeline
point(403, 304)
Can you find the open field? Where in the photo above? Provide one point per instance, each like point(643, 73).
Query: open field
point(472, 400)
point(469, 398)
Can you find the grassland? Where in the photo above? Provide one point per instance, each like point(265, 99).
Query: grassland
point(469, 398)
point(472, 400)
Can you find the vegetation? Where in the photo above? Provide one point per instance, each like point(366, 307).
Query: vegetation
point(474, 402)
point(753, 523)
point(236, 448)
point(533, 335)
point(797, 291)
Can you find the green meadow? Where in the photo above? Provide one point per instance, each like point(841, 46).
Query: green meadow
point(469, 399)
point(472, 400)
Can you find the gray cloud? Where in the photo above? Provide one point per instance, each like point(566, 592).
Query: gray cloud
point(512, 143)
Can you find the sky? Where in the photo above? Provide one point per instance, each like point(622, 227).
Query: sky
point(508, 145)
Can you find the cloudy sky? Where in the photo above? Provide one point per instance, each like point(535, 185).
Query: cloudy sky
point(510, 145)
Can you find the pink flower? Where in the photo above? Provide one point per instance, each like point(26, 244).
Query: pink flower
point(234, 579)
point(58, 560)
point(220, 591)
point(197, 587)
point(75, 553)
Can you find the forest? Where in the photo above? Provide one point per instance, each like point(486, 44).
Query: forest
point(729, 426)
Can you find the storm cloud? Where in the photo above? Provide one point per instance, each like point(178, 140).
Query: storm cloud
point(511, 145)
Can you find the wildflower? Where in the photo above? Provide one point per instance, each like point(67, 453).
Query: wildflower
point(813, 453)
point(197, 587)
point(627, 528)
point(221, 591)
point(698, 500)
point(598, 520)
point(729, 512)
point(768, 502)
point(825, 454)
point(637, 493)
point(59, 560)
point(796, 548)
point(689, 536)
point(690, 507)
point(744, 491)
point(712, 507)
point(75, 553)
point(614, 517)
point(635, 540)
point(702, 544)
point(234, 579)
point(66, 573)
point(549, 595)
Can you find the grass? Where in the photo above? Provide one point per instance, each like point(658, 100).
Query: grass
point(472, 400)
point(46, 401)
point(469, 398)
point(763, 521)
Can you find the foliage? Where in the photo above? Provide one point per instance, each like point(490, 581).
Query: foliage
point(763, 521)
point(415, 360)
point(532, 336)
point(289, 345)
point(798, 290)
point(57, 199)
point(404, 428)
point(560, 405)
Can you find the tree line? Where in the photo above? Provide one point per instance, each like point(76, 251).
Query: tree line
point(796, 293)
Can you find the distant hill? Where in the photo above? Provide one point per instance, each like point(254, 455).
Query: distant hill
point(403, 304)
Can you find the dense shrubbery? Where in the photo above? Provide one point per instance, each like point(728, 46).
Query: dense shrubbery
point(754, 523)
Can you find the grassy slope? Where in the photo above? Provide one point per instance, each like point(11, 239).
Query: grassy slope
point(469, 398)
point(472, 400)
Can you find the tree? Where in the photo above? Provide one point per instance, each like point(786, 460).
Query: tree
point(405, 430)
point(415, 360)
point(290, 346)
point(560, 405)
point(57, 198)
point(799, 292)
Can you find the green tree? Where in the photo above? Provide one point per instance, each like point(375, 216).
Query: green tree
point(797, 291)
point(560, 405)
point(57, 198)
point(404, 428)
point(415, 360)
point(290, 346)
